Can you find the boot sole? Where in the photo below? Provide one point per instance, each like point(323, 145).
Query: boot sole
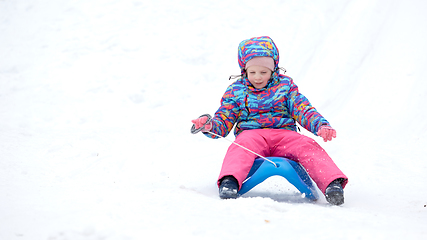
point(335, 198)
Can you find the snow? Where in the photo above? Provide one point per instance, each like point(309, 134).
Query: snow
point(96, 99)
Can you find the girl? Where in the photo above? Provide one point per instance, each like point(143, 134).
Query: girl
point(263, 105)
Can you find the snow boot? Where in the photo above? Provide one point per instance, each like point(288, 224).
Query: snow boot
point(228, 188)
point(334, 193)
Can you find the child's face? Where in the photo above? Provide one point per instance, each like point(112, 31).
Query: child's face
point(258, 76)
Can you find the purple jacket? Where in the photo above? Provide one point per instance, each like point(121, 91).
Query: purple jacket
point(278, 105)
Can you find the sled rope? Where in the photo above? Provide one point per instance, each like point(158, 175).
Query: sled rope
point(266, 159)
point(195, 130)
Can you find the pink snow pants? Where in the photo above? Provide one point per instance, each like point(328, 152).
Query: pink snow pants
point(280, 143)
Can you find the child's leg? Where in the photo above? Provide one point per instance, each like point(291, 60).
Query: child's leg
point(309, 154)
point(238, 161)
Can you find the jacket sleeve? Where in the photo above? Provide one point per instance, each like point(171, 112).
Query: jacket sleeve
point(226, 115)
point(302, 111)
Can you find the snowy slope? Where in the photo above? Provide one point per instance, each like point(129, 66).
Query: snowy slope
point(96, 99)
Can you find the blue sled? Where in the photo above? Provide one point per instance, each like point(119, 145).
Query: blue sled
point(291, 170)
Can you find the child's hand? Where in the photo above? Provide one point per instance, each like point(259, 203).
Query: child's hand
point(327, 133)
point(199, 122)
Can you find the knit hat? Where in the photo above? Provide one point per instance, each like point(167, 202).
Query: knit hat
point(267, 62)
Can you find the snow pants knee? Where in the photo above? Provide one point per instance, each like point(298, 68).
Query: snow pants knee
point(280, 143)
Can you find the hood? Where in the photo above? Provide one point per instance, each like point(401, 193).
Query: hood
point(257, 47)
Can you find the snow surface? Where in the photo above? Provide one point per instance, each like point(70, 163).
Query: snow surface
point(96, 99)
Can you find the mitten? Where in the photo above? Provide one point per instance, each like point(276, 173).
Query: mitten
point(327, 133)
point(200, 122)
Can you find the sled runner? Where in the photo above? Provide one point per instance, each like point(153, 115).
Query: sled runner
point(291, 170)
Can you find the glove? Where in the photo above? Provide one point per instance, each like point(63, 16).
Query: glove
point(199, 122)
point(327, 133)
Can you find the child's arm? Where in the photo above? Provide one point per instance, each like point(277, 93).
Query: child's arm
point(303, 112)
point(226, 115)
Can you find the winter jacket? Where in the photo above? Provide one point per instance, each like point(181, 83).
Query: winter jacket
point(278, 105)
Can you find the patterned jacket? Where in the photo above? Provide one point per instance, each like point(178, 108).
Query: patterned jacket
point(278, 105)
